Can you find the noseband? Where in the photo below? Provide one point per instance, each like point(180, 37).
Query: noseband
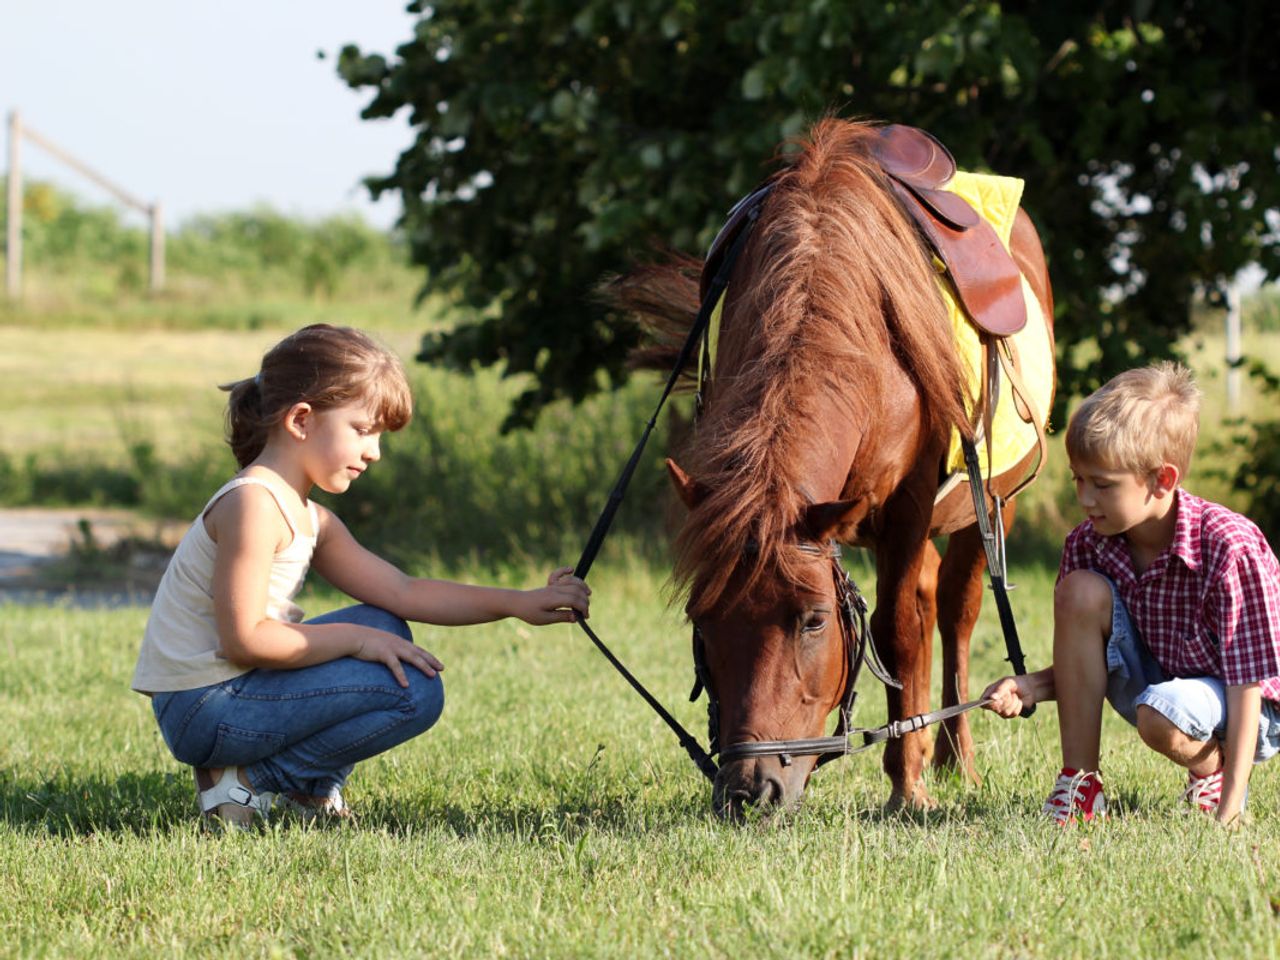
point(859, 648)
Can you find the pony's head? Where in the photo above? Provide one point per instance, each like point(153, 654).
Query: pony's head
point(772, 649)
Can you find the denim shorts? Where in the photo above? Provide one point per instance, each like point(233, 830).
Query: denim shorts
point(1195, 705)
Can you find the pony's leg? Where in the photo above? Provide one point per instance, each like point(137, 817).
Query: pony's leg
point(927, 610)
point(959, 602)
point(897, 628)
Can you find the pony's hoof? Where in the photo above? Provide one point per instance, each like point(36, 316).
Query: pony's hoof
point(916, 800)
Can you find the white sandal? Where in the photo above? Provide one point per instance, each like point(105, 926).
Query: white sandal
point(230, 801)
point(332, 808)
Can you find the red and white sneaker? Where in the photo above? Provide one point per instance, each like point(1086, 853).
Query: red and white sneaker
point(1204, 793)
point(1077, 795)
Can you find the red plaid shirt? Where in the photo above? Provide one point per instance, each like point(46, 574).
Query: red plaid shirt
point(1209, 605)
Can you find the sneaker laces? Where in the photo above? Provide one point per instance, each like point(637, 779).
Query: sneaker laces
point(1204, 792)
point(1076, 793)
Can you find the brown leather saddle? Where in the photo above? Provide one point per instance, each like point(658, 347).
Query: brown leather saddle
point(986, 280)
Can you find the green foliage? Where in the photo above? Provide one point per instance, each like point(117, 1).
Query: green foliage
point(555, 143)
point(449, 488)
point(157, 488)
point(1261, 311)
point(1258, 475)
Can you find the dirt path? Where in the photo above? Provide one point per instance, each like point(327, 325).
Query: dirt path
point(85, 556)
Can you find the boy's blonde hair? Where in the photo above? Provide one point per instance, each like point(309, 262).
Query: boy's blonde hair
point(1138, 421)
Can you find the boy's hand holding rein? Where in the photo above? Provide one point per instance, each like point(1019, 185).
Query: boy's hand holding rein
point(1009, 695)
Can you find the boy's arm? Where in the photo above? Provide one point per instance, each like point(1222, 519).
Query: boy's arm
point(1244, 704)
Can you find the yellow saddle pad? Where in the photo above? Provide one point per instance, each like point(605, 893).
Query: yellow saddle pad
point(996, 199)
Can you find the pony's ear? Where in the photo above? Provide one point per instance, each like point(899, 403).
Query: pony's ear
point(691, 492)
point(826, 521)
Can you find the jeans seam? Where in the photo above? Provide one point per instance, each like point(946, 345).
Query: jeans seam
point(396, 691)
point(195, 708)
point(405, 717)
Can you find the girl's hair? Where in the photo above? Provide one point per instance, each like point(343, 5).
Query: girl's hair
point(1138, 420)
point(324, 366)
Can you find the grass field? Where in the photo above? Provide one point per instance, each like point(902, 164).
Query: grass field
point(549, 814)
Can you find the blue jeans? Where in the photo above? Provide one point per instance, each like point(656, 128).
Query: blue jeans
point(1195, 705)
point(302, 730)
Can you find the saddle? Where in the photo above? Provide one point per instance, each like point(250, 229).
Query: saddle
point(986, 279)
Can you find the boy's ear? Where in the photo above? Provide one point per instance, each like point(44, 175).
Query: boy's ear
point(1166, 479)
point(296, 420)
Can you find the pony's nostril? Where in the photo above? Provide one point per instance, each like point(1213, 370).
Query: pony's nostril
point(770, 792)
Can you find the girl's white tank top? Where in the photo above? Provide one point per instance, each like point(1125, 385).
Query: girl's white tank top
point(180, 645)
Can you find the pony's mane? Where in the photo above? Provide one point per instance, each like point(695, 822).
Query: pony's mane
point(834, 289)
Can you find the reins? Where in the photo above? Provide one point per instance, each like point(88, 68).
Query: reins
point(856, 632)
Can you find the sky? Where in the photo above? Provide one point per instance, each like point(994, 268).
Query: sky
point(205, 107)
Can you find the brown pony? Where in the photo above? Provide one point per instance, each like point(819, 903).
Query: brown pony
point(835, 390)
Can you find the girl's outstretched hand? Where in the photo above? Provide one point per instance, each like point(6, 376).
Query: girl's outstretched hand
point(562, 600)
point(378, 646)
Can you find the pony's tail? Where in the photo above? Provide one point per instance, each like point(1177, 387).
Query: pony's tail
point(662, 300)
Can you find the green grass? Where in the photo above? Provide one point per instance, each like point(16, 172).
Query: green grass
point(549, 814)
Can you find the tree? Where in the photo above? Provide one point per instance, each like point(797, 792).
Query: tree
point(558, 142)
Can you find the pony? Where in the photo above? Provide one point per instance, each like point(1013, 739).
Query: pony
point(833, 398)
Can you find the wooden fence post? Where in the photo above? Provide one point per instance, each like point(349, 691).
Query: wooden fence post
point(1233, 347)
point(13, 217)
point(157, 247)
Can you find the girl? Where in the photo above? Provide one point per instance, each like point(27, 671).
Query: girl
point(263, 705)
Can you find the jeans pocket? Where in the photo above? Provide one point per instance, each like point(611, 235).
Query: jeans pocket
point(237, 746)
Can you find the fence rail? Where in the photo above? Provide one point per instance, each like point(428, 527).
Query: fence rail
point(18, 132)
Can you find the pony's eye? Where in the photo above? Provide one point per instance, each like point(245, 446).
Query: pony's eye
point(814, 622)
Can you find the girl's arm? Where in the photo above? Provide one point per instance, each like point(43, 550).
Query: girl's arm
point(1244, 705)
point(248, 529)
point(370, 579)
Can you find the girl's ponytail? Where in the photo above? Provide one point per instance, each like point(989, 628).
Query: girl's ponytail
point(247, 428)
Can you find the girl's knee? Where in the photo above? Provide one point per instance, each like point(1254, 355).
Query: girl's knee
point(384, 620)
point(1083, 593)
point(426, 699)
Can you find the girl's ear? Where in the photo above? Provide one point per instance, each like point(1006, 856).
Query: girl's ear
point(296, 420)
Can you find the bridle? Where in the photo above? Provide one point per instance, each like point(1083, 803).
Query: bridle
point(859, 648)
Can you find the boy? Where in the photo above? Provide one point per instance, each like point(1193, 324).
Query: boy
point(1166, 605)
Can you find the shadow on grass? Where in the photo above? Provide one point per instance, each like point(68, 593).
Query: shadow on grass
point(66, 806)
point(163, 802)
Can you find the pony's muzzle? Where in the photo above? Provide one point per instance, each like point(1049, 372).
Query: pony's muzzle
point(756, 786)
